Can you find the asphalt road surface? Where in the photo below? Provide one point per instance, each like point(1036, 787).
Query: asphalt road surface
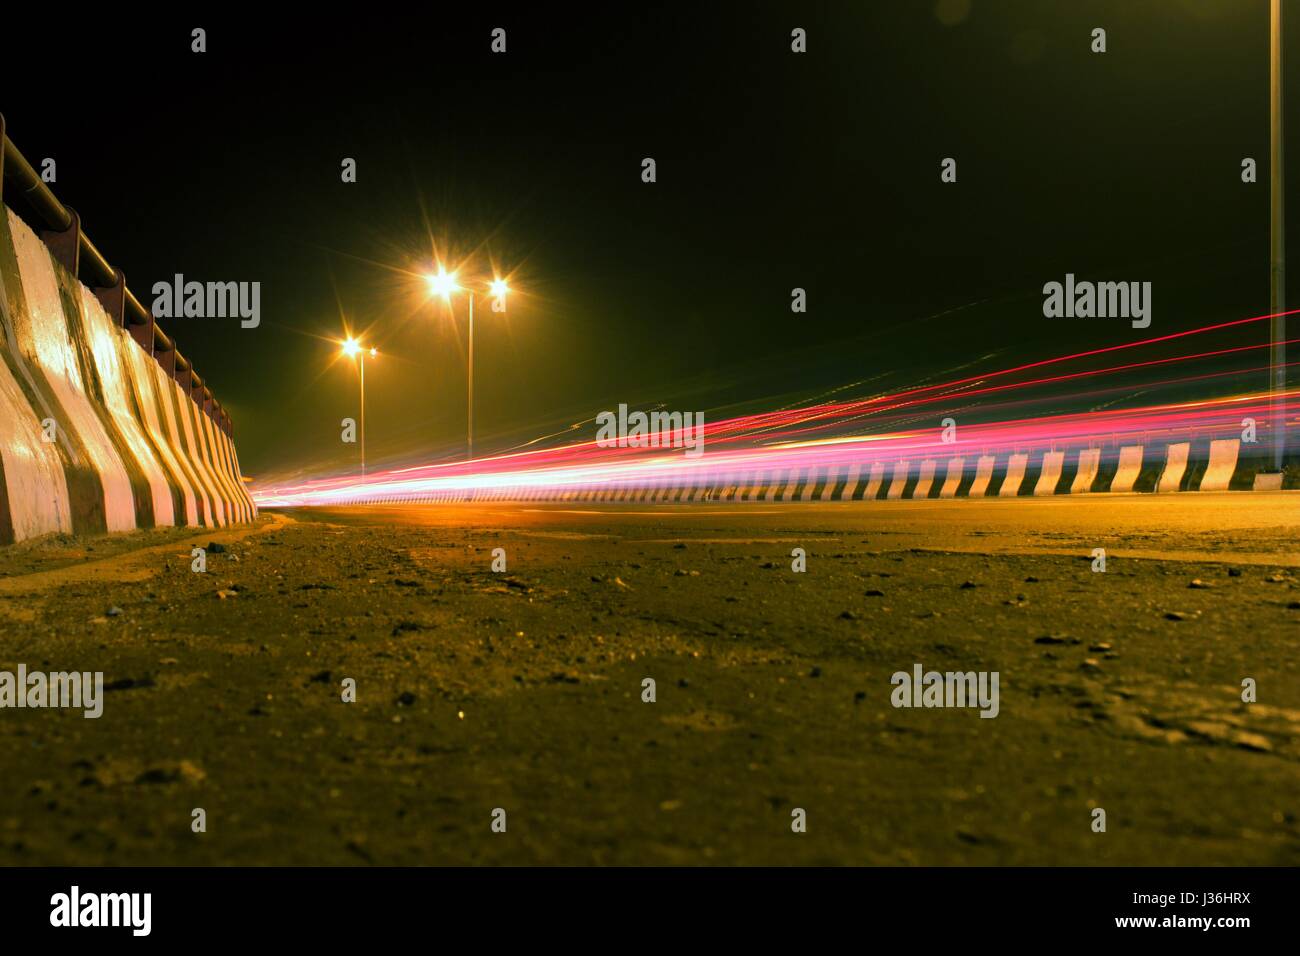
point(479, 691)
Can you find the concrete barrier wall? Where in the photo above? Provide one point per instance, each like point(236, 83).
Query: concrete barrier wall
point(952, 478)
point(1175, 464)
point(1222, 464)
point(129, 448)
point(1086, 474)
point(1050, 476)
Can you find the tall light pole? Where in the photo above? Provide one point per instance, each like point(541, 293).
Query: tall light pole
point(352, 348)
point(469, 394)
point(1277, 240)
point(444, 284)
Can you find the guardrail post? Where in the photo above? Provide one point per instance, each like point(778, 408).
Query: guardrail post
point(113, 299)
point(65, 245)
point(142, 333)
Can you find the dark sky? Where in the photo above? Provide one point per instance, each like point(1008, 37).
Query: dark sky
point(775, 170)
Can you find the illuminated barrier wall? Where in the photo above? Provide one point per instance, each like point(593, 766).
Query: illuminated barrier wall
point(1222, 465)
point(94, 435)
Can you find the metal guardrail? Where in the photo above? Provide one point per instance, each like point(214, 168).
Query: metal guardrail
point(60, 229)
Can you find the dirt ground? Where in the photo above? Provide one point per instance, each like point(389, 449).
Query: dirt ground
point(522, 690)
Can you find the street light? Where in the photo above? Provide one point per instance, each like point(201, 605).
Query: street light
point(444, 284)
point(352, 348)
point(1277, 246)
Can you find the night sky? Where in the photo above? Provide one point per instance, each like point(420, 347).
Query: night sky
point(775, 170)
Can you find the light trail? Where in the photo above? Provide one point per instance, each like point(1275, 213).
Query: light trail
point(795, 439)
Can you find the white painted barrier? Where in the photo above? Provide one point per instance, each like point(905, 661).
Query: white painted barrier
point(1089, 465)
point(1015, 476)
point(1175, 466)
point(1129, 468)
point(1050, 476)
point(130, 448)
point(1222, 464)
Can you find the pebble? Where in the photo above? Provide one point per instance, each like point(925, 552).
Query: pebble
point(1198, 584)
point(185, 770)
point(1249, 741)
point(113, 611)
point(874, 592)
